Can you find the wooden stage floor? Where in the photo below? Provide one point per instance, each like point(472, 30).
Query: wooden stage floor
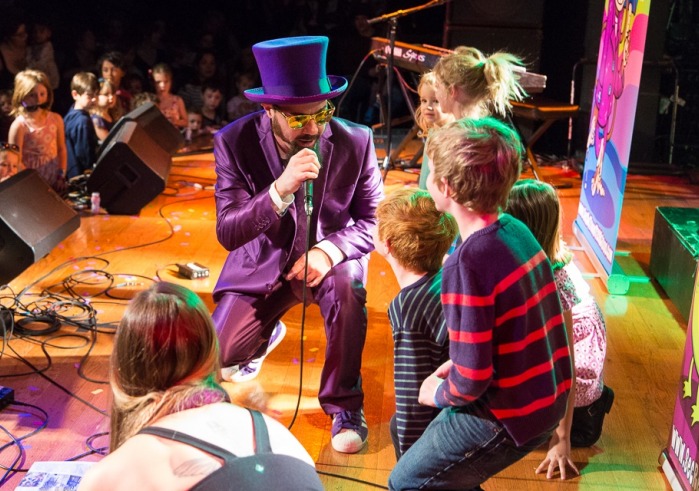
point(111, 257)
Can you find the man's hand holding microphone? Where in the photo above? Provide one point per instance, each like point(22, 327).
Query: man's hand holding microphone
point(302, 169)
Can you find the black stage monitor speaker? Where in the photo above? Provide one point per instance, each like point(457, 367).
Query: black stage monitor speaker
point(152, 121)
point(33, 220)
point(131, 171)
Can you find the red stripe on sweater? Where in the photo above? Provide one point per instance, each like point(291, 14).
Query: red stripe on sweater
point(533, 371)
point(520, 272)
point(535, 405)
point(467, 300)
point(456, 394)
point(470, 337)
point(486, 300)
point(530, 302)
point(473, 373)
point(507, 348)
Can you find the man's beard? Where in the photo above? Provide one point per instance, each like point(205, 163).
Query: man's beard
point(295, 148)
point(297, 144)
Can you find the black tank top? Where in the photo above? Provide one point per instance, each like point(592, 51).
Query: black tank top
point(263, 470)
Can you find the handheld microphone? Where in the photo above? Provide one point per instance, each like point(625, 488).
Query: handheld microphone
point(34, 107)
point(308, 189)
point(308, 196)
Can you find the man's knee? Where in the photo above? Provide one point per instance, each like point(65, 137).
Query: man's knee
point(347, 283)
point(238, 333)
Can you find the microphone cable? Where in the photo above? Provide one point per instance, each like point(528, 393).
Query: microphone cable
point(308, 208)
point(304, 296)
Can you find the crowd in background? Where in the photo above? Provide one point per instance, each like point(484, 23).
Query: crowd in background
point(206, 43)
point(193, 61)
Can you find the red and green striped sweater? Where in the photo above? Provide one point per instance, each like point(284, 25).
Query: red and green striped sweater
point(507, 339)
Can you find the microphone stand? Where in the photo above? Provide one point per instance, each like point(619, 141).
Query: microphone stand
point(392, 19)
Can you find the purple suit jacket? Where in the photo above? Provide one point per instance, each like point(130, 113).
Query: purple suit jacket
point(345, 196)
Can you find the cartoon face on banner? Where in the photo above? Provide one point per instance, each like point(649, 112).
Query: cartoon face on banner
point(612, 116)
point(614, 56)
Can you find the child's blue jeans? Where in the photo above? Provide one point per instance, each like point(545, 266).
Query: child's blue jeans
point(460, 449)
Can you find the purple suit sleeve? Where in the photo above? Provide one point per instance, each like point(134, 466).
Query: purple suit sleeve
point(348, 222)
point(243, 209)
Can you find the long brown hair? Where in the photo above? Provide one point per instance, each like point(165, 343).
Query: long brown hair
point(536, 204)
point(165, 359)
point(25, 81)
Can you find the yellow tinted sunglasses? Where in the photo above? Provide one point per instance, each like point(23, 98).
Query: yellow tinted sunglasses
point(298, 121)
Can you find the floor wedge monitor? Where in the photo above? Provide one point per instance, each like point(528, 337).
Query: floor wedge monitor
point(130, 172)
point(152, 121)
point(33, 220)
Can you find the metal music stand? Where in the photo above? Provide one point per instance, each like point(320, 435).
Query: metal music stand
point(392, 19)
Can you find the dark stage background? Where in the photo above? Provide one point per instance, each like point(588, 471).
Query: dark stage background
point(558, 39)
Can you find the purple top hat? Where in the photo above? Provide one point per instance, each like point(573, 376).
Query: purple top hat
point(293, 71)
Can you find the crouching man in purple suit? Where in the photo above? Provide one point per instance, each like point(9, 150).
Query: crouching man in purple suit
point(265, 209)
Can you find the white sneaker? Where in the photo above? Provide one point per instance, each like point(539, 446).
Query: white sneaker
point(228, 372)
point(251, 369)
point(349, 431)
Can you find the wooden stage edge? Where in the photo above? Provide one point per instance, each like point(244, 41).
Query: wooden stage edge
point(109, 258)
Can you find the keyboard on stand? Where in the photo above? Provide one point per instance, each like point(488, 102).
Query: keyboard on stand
point(421, 58)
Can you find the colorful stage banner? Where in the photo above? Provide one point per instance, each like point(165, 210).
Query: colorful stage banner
point(681, 453)
point(613, 111)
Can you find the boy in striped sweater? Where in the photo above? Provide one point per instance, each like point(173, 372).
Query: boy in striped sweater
point(505, 387)
point(413, 236)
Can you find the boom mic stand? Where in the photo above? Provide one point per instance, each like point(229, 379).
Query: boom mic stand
point(392, 19)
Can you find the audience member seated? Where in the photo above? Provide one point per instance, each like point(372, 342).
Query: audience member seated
point(81, 137)
point(80, 54)
point(172, 425)
point(112, 67)
point(40, 53)
point(13, 45)
point(212, 96)
point(239, 105)
point(104, 113)
point(195, 125)
point(135, 84)
point(9, 160)
point(205, 70)
point(6, 116)
point(143, 97)
point(171, 105)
